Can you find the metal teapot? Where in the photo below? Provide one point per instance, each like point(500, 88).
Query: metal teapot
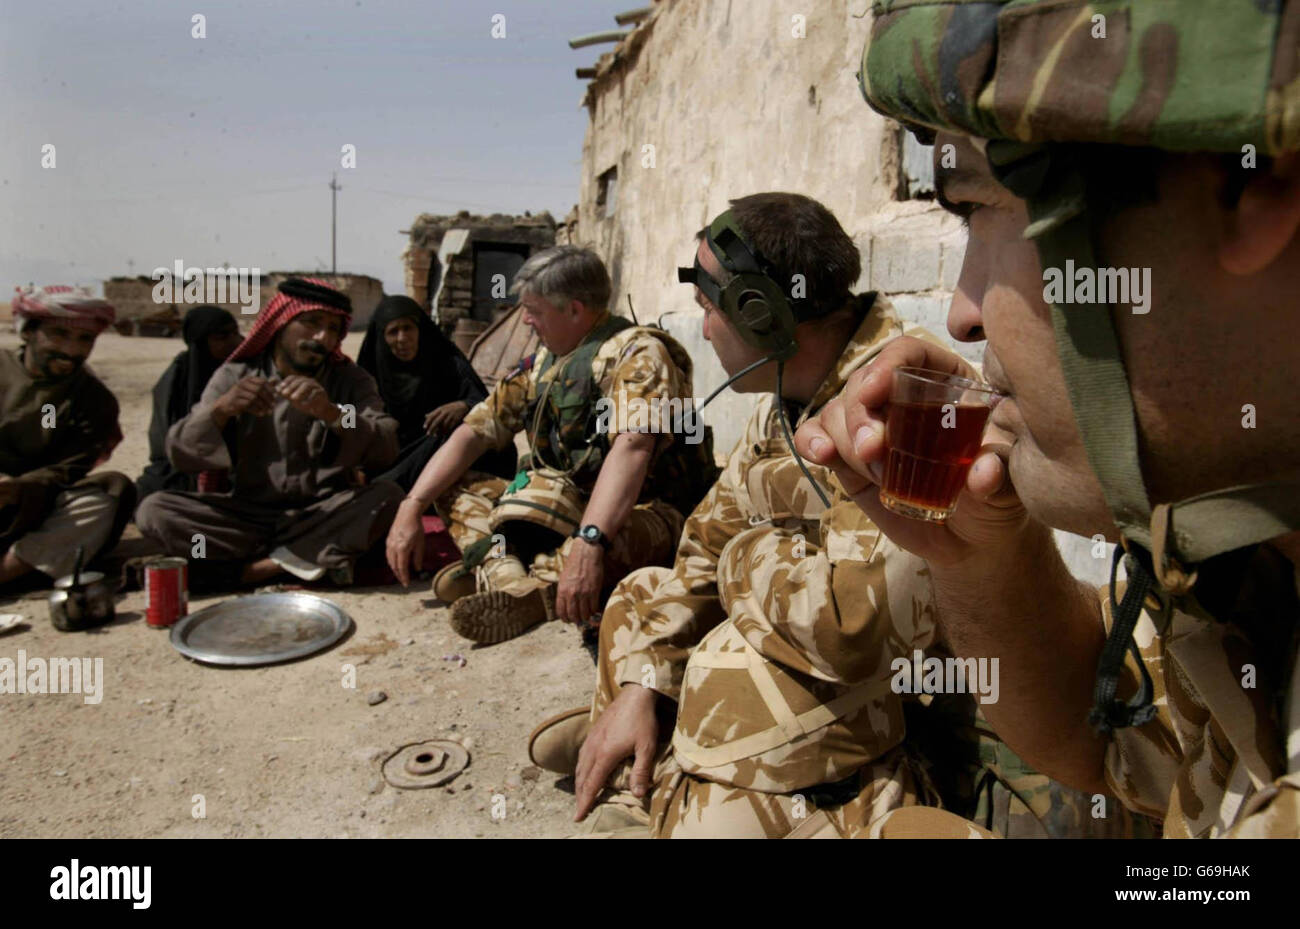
point(81, 600)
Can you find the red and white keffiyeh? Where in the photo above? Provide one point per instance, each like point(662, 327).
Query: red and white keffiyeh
point(282, 308)
point(73, 306)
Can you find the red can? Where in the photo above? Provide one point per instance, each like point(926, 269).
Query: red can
point(214, 482)
point(166, 590)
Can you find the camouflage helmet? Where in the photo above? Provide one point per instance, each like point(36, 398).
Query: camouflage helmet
point(1178, 75)
point(1183, 75)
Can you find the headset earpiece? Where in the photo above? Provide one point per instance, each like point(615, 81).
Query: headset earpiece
point(752, 300)
point(755, 312)
point(759, 311)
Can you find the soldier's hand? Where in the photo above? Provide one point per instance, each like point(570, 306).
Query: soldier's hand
point(307, 395)
point(405, 545)
point(446, 417)
point(250, 394)
point(848, 435)
point(628, 727)
point(577, 597)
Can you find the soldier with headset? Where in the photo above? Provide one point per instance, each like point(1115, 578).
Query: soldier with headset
point(745, 691)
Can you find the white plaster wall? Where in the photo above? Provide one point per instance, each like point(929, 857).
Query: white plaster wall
point(734, 104)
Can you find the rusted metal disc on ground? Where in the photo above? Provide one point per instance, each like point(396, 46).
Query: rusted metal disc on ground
point(425, 764)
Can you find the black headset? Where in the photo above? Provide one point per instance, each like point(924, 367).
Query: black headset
point(757, 305)
point(753, 300)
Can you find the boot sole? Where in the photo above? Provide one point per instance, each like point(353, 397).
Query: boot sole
point(492, 617)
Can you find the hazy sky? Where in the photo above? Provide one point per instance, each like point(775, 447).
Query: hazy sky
point(220, 149)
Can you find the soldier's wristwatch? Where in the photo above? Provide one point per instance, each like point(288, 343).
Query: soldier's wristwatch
point(591, 533)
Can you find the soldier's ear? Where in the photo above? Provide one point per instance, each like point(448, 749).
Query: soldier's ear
point(1265, 219)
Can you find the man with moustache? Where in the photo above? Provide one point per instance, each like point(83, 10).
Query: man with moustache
point(291, 419)
point(57, 422)
point(1168, 427)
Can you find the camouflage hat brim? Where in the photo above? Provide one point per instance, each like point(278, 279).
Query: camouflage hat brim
point(1183, 75)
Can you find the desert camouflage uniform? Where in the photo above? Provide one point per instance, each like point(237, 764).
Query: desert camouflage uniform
point(775, 632)
point(637, 365)
point(992, 788)
point(1221, 757)
point(1213, 762)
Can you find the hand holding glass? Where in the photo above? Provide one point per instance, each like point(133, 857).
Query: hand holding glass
point(933, 432)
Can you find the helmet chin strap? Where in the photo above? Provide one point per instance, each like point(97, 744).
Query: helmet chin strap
point(780, 406)
point(1164, 542)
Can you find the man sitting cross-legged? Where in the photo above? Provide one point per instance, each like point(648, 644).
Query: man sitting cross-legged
point(598, 493)
point(57, 421)
point(292, 419)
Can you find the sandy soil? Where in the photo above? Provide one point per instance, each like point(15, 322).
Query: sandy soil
point(284, 750)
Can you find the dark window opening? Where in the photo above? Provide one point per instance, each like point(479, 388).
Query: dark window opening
point(490, 260)
point(607, 193)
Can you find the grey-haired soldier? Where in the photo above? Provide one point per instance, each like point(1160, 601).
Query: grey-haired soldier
point(598, 493)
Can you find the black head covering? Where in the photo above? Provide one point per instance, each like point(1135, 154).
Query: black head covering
point(196, 365)
point(410, 389)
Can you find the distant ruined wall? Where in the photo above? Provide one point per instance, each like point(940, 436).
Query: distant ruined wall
point(454, 284)
point(709, 101)
point(132, 297)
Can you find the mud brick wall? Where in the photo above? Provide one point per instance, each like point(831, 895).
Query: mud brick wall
point(423, 272)
point(663, 119)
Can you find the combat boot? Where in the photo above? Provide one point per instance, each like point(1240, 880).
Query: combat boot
point(555, 743)
point(497, 615)
point(453, 582)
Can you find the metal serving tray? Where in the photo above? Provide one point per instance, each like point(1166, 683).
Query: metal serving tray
point(260, 629)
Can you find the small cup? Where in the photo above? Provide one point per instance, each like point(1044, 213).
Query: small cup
point(933, 432)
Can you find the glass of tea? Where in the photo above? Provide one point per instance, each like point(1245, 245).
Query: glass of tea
point(932, 434)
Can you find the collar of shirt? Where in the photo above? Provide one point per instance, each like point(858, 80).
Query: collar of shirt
point(878, 326)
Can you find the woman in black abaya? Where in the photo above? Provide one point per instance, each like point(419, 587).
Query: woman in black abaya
point(210, 334)
point(427, 385)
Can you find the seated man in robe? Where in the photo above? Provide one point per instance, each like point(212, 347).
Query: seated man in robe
point(57, 422)
point(291, 419)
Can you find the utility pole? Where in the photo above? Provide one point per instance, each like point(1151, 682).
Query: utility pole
point(334, 213)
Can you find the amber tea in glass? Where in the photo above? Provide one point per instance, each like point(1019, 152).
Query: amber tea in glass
point(932, 434)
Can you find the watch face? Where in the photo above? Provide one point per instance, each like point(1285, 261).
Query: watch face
point(590, 533)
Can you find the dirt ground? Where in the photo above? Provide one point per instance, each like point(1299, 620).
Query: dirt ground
point(285, 750)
